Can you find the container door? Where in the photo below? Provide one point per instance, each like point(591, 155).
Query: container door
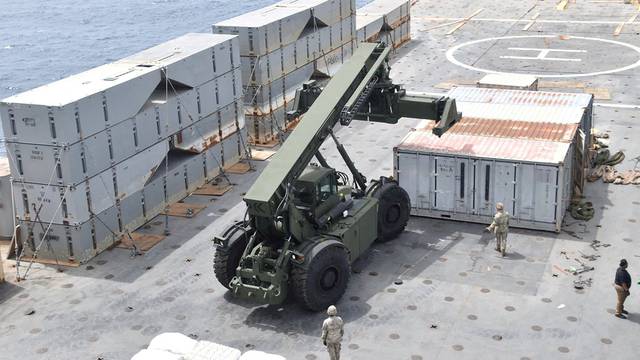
point(444, 183)
point(407, 175)
point(525, 193)
point(484, 188)
point(463, 186)
point(546, 190)
point(505, 179)
point(425, 178)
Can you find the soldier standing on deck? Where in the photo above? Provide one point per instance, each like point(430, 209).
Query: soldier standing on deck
point(622, 284)
point(500, 227)
point(332, 331)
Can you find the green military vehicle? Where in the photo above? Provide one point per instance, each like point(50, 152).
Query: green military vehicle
point(305, 224)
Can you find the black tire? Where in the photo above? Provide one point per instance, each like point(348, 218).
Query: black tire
point(226, 260)
point(394, 206)
point(324, 279)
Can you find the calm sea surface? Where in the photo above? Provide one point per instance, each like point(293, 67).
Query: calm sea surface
point(46, 40)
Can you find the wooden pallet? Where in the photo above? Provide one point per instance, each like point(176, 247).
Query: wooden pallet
point(560, 84)
point(68, 263)
point(599, 93)
point(143, 242)
point(238, 168)
point(213, 190)
point(187, 210)
point(271, 143)
point(261, 155)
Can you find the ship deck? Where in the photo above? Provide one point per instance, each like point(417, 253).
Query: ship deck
point(457, 299)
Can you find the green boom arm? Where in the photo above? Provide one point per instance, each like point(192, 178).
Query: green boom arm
point(361, 89)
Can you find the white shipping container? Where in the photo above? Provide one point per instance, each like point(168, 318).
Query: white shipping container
point(462, 177)
point(68, 110)
point(64, 205)
point(71, 243)
point(82, 241)
point(394, 12)
point(264, 30)
point(65, 111)
point(270, 102)
point(326, 12)
point(260, 70)
point(134, 173)
point(264, 99)
point(191, 59)
point(368, 27)
point(91, 196)
point(77, 162)
point(211, 130)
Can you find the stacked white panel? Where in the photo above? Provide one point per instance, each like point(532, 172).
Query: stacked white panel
point(284, 45)
point(388, 21)
point(89, 162)
point(6, 204)
point(368, 27)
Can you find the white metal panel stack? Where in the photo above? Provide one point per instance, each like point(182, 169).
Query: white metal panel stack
point(6, 203)
point(85, 151)
point(284, 45)
point(462, 175)
point(388, 21)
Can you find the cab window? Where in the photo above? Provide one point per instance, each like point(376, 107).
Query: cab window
point(303, 193)
point(327, 187)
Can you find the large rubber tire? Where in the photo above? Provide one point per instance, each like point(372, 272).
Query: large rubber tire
point(394, 206)
point(226, 260)
point(324, 280)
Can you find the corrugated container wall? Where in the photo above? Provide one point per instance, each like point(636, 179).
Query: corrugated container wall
point(87, 152)
point(533, 106)
point(388, 21)
point(6, 204)
point(464, 173)
point(526, 105)
point(282, 46)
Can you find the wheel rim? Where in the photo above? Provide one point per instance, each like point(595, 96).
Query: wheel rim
point(329, 278)
point(393, 214)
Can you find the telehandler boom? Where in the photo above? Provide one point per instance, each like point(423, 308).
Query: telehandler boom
point(305, 224)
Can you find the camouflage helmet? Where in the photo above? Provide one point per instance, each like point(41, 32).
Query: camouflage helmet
point(499, 206)
point(332, 311)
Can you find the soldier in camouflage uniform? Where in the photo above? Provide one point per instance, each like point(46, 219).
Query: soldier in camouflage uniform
point(500, 227)
point(332, 331)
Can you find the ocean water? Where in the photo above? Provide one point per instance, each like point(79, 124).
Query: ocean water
point(46, 40)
